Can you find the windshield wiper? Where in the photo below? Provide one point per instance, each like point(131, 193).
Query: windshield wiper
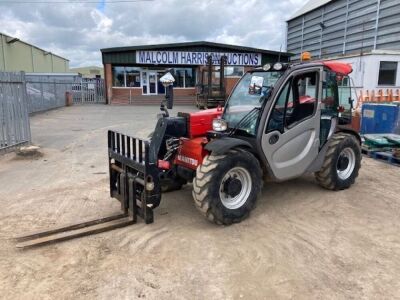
point(246, 119)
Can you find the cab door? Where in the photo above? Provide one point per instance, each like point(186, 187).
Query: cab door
point(290, 141)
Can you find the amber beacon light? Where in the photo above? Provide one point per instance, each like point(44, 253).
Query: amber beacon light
point(306, 56)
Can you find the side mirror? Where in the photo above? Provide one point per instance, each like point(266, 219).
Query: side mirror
point(168, 82)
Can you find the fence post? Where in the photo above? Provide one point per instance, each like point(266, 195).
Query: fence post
point(96, 86)
point(26, 110)
point(82, 90)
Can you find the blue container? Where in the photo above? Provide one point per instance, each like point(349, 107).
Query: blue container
point(380, 118)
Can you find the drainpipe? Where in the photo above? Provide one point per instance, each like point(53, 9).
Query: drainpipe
point(4, 54)
point(345, 28)
point(302, 37)
point(52, 63)
point(33, 64)
point(377, 23)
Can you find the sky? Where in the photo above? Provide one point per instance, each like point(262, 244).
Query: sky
point(77, 31)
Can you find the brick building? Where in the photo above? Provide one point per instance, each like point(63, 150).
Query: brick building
point(132, 73)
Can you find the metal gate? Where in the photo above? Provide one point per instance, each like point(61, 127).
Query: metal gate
point(14, 118)
point(89, 91)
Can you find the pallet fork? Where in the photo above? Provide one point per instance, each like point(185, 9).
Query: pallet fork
point(133, 181)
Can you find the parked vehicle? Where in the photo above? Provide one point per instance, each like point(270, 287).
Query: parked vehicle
point(281, 121)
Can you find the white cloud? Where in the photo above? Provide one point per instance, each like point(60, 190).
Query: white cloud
point(103, 23)
point(79, 31)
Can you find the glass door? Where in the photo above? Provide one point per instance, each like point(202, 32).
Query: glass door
point(144, 82)
point(151, 84)
point(152, 80)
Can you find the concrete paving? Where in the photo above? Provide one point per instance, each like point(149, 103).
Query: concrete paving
point(300, 242)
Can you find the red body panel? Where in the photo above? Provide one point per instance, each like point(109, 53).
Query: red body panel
point(191, 152)
point(338, 67)
point(200, 122)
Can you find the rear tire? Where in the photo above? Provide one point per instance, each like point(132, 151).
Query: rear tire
point(226, 187)
point(342, 163)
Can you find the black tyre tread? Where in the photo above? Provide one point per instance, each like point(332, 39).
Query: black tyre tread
point(201, 184)
point(323, 176)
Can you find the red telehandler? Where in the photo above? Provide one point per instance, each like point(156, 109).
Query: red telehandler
point(281, 121)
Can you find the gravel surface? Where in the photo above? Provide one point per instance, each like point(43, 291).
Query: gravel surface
point(301, 241)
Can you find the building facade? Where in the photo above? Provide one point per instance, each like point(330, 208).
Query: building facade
point(132, 73)
point(89, 72)
point(364, 33)
point(16, 56)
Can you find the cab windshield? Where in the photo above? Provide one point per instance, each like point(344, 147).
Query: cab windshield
point(247, 99)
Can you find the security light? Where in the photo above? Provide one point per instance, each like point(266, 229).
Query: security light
point(266, 67)
point(278, 66)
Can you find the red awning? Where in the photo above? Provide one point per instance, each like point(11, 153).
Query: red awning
point(338, 67)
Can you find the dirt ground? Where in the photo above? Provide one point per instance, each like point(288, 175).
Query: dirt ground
point(301, 242)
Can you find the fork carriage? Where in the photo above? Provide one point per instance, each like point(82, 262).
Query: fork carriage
point(134, 176)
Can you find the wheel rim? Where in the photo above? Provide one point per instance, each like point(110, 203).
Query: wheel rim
point(346, 163)
point(235, 188)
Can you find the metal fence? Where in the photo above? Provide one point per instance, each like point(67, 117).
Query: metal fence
point(47, 91)
point(88, 90)
point(22, 94)
point(14, 118)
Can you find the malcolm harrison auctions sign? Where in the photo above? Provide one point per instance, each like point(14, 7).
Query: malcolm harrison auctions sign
point(196, 58)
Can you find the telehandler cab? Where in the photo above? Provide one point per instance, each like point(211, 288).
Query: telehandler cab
point(281, 121)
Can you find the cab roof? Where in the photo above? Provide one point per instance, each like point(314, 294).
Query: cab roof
point(338, 67)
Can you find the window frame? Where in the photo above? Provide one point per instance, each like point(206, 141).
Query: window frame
point(230, 76)
point(136, 69)
point(395, 73)
point(291, 79)
point(194, 74)
point(125, 82)
point(113, 77)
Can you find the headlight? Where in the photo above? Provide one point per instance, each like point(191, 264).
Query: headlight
point(219, 125)
point(278, 66)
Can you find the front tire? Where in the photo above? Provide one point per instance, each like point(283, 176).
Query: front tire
point(226, 187)
point(342, 163)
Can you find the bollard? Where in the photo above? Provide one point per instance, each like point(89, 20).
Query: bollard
point(68, 99)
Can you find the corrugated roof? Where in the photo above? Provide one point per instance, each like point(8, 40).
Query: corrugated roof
point(191, 44)
point(26, 43)
point(309, 6)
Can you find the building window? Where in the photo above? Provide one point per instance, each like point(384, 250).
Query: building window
point(132, 76)
point(387, 73)
point(231, 71)
point(118, 76)
point(184, 77)
point(126, 77)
